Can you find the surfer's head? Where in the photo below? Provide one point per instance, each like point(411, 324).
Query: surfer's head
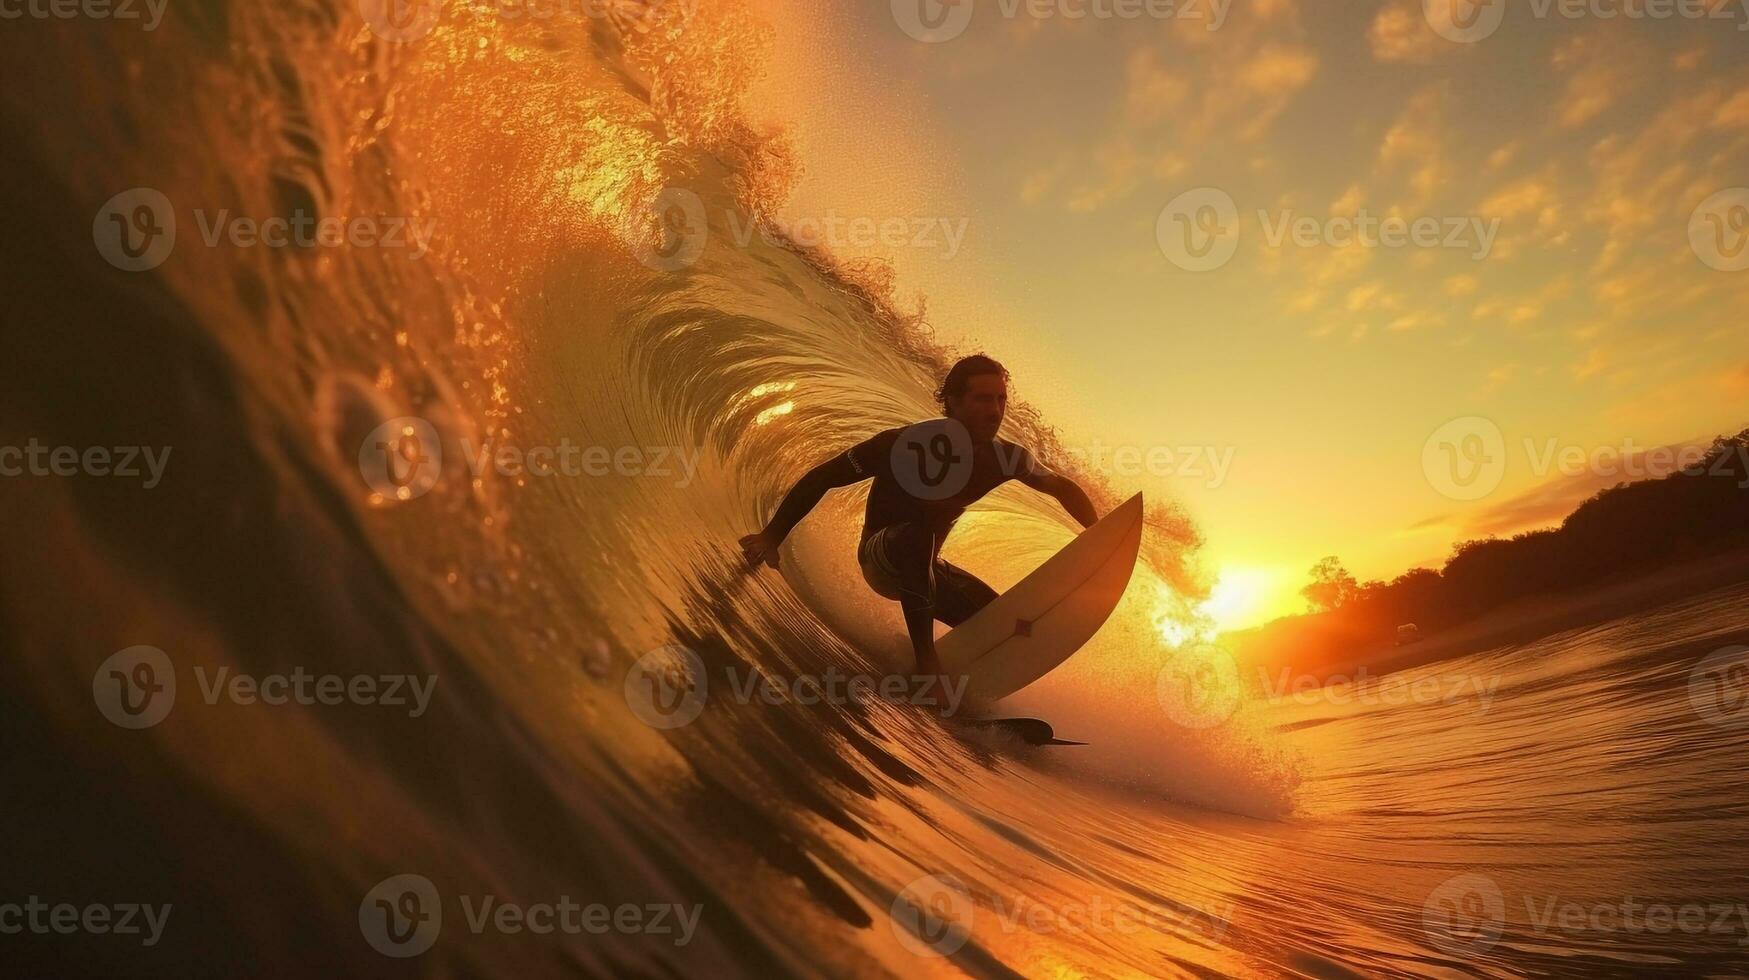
point(975, 392)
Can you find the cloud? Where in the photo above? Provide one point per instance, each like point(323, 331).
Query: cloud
point(1414, 321)
point(1524, 313)
point(1274, 74)
point(1526, 196)
point(1416, 142)
point(1348, 203)
point(1114, 168)
point(1599, 66)
point(1333, 265)
point(1548, 504)
point(1362, 296)
point(1502, 156)
point(1400, 33)
point(1734, 113)
point(1501, 376)
point(1542, 507)
point(1642, 178)
point(1152, 89)
point(1168, 127)
point(1594, 363)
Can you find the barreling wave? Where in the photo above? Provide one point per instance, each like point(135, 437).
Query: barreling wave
point(535, 152)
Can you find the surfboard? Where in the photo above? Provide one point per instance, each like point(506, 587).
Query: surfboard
point(1027, 631)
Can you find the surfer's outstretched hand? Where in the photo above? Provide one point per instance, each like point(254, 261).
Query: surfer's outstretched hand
point(759, 550)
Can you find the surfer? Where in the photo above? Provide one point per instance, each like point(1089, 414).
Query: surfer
point(925, 476)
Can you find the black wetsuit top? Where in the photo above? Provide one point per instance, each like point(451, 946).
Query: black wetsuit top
point(929, 472)
point(928, 479)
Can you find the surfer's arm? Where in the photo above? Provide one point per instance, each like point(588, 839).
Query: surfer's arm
point(840, 471)
point(1067, 492)
point(835, 472)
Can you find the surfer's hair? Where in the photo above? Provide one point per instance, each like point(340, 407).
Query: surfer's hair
point(960, 376)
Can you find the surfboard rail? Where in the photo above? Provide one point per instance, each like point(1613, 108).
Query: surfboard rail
point(1032, 628)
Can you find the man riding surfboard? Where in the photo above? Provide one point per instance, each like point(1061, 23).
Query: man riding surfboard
point(925, 476)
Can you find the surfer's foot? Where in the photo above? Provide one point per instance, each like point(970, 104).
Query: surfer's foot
point(930, 689)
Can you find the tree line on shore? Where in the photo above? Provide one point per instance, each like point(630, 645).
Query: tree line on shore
point(1625, 530)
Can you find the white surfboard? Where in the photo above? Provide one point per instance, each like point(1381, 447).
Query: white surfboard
point(1030, 629)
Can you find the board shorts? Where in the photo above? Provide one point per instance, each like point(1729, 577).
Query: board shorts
point(901, 562)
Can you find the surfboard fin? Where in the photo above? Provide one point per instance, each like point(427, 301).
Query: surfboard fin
point(1033, 731)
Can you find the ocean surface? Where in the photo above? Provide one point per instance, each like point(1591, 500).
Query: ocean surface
point(619, 712)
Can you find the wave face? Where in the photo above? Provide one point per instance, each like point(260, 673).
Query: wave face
point(655, 393)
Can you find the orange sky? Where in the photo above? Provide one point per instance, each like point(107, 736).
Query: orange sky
point(1574, 171)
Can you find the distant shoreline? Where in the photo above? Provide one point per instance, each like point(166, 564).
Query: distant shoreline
point(1527, 619)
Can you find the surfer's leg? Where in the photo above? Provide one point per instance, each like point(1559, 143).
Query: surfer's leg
point(899, 561)
point(959, 593)
point(903, 562)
